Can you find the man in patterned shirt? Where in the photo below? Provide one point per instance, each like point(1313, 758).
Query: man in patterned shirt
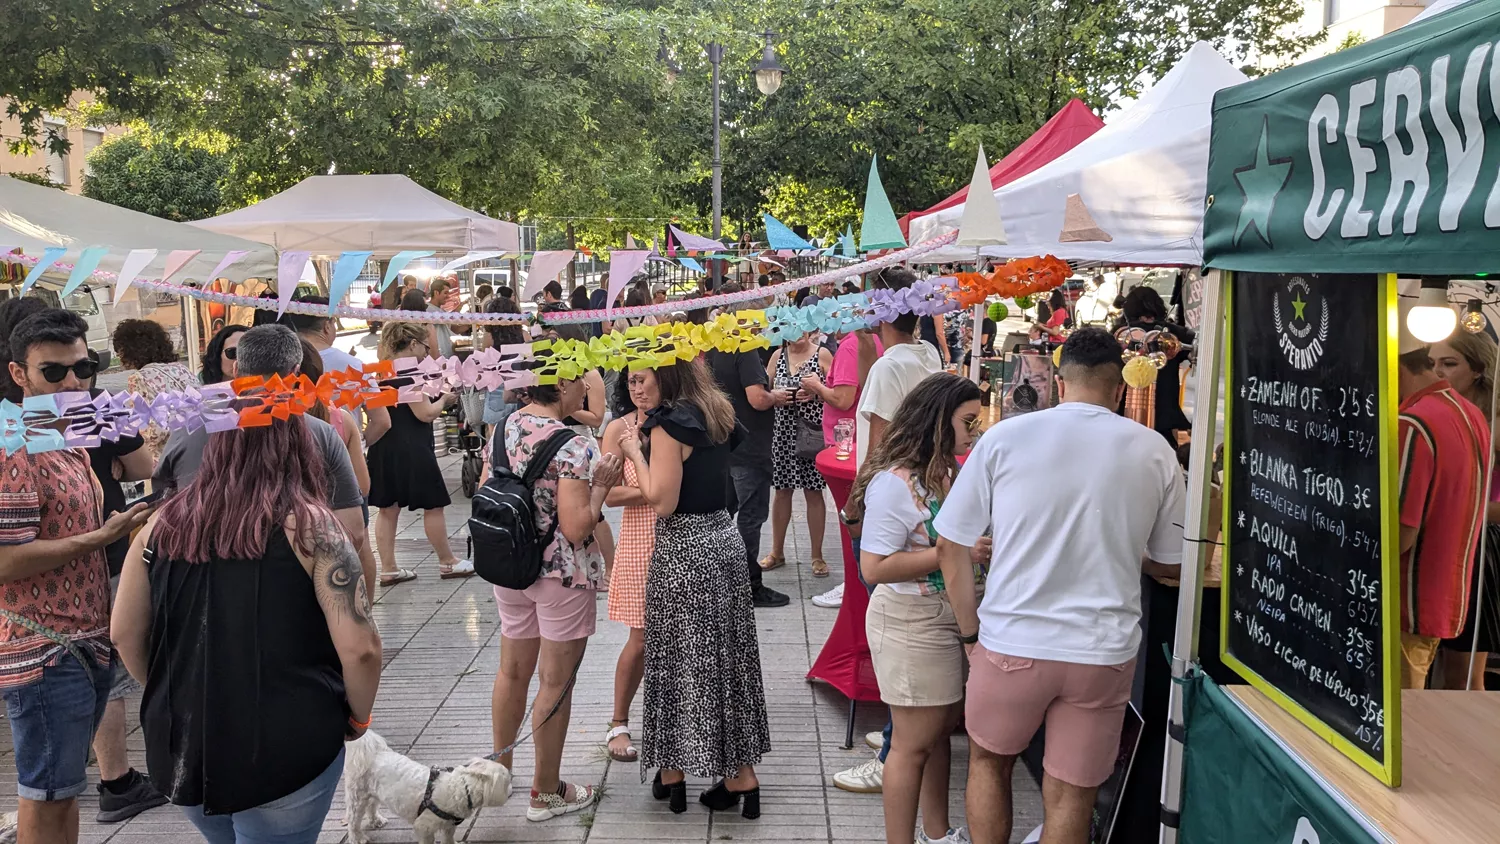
point(54, 588)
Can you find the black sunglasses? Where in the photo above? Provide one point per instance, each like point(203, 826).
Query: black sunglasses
point(232, 352)
point(56, 372)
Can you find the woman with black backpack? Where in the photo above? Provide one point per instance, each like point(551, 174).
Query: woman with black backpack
point(546, 626)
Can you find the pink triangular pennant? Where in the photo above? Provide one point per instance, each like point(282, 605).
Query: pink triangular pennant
point(177, 259)
point(229, 258)
point(288, 274)
point(1079, 225)
point(623, 265)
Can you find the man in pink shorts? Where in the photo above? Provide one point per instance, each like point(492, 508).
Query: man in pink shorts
point(1079, 500)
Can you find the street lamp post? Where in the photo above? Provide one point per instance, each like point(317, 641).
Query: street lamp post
point(768, 80)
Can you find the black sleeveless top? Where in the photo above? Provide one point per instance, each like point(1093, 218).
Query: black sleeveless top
point(244, 700)
point(706, 485)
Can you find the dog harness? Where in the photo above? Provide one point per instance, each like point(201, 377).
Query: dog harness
point(428, 806)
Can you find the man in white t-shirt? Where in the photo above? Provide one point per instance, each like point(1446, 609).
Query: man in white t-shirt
point(1079, 500)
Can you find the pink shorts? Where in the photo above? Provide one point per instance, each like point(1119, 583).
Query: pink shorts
point(1083, 706)
point(547, 610)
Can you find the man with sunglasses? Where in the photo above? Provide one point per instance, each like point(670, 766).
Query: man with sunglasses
point(55, 656)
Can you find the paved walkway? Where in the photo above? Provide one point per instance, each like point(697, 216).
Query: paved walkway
point(442, 649)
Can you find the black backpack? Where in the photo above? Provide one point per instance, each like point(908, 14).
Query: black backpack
point(507, 545)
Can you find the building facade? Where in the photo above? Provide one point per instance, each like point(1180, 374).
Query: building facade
point(1362, 20)
point(65, 170)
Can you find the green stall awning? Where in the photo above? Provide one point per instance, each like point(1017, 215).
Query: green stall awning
point(1380, 158)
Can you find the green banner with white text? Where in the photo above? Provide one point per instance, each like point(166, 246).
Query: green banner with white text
point(1384, 157)
point(1240, 787)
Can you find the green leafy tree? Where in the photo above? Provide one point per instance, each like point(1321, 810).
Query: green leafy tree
point(145, 172)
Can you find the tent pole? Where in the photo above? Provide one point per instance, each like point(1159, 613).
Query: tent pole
point(1195, 551)
point(975, 346)
point(190, 334)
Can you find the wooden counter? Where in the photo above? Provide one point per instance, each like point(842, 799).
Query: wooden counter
point(1450, 755)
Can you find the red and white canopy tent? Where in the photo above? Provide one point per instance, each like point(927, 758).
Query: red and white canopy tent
point(1067, 129)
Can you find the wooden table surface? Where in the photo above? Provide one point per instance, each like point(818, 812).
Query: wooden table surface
point(1450, 766)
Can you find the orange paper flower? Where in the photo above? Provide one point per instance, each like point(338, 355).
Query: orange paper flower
point(1021, 277)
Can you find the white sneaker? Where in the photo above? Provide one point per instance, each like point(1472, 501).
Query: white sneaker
point(954, 836)
point(875, 740)
point(832, 599)
point(862, 779)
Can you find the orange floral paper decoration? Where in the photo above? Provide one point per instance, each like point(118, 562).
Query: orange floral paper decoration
point(1021, 277)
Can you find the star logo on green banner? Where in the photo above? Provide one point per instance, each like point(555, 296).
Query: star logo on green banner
point(1260, 182)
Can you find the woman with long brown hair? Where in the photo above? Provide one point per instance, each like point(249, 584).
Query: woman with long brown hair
point(704, 708)
point(914, 639)
point(243, 610)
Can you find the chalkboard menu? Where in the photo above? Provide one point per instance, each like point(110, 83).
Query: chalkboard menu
point(1310, 511)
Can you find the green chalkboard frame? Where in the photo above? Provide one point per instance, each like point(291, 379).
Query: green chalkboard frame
point(1388, 770)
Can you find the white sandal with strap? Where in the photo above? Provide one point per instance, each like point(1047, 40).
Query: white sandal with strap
point(630, 754)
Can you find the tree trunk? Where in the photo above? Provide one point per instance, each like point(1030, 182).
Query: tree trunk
point(573, 245)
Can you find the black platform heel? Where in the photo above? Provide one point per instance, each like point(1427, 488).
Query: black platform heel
point(675, 794)
point(720, 798)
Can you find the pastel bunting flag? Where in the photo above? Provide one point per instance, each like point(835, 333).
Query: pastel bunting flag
point(134, 263)
point(345, 270)
point(623, 265)
point(980, 224)
point(544, 268)
point(288, 274)
point(690, 264)
point(50, 255)
point(178, 259)
point(879, 230)
point(84, 267)
point(229, 259)
point(781, 236)
point(398, 263)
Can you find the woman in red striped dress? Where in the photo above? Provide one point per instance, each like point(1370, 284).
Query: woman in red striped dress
point(636, 394)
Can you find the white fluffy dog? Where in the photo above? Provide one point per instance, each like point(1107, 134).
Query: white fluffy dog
point(434, 800)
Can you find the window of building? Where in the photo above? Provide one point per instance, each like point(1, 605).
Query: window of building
point(57, 163)
point(1333, 12)
point(91, 139)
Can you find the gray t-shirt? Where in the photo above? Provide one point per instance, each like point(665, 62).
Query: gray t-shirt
point(444, 334)
point(183, 455)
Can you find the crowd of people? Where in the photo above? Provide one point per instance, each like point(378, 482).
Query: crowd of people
point(1003, 594)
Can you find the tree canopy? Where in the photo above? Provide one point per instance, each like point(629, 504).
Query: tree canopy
point(554, 109)
point(177, 180)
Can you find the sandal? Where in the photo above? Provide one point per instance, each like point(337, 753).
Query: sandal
point(819, 567)
point(616, 730)
point(771, 562)
point(399, 576)
point(462, 568)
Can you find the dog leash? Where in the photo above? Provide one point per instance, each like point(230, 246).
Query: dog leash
point(495, 757)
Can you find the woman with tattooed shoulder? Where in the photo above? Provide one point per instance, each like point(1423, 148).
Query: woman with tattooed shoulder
point(243, 609)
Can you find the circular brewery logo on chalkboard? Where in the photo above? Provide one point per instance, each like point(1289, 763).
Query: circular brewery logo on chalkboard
point(1302, 345)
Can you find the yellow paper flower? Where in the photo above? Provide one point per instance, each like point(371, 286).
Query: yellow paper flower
point(1057, 356)
point(1139, 373)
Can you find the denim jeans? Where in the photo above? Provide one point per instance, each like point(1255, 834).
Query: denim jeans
point(752, 487)
point(294, 819)
point(52, 724)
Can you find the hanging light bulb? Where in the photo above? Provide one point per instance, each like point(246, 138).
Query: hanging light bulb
point(1473, 320)
point(1432, 320)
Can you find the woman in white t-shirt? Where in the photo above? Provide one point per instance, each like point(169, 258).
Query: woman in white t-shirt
point(914, 638)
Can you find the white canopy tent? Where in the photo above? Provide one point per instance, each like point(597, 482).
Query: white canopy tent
point(386, 214)
point(1142, 177)
point(34, 217)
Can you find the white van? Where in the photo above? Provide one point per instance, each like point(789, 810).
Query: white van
point(81, 302)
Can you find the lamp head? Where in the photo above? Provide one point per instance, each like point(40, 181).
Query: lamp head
point(769, 72)
point(1432, 319)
